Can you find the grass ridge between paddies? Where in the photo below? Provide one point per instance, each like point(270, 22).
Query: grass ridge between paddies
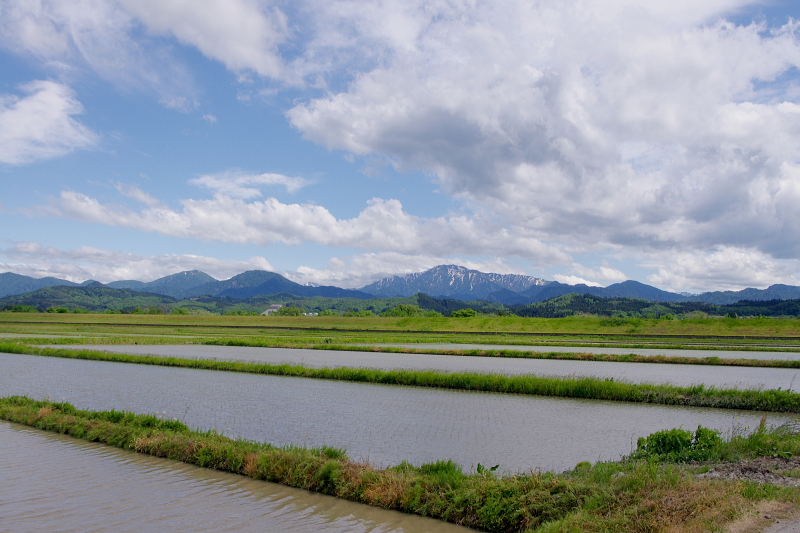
point(650, 494)
point(561, 387)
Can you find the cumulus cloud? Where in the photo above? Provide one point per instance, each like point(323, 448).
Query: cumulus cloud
point(726, 268)
point(39, 125)
point(649, 125)
point(238, 33)
point(86, 262)
point(383, 226)
point(108, 37)
point(239, 184)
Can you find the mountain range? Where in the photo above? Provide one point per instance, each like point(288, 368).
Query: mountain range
point(444, 281)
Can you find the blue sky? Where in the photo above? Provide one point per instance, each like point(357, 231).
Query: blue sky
point(339, 142)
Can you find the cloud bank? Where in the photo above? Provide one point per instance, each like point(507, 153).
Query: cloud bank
point(383, 225)
point(86, 262)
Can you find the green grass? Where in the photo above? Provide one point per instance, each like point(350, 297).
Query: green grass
point(586, 388)
point(724, 328)
point(639, 496)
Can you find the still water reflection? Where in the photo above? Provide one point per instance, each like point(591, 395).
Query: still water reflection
point(670, 352)
point(718, 376)
point(55, 483)
point(382, 424)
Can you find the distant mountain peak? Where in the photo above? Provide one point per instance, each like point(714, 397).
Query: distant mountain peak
point(451, 280)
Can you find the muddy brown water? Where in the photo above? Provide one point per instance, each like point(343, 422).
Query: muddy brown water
point(55, 483)
point(382, 424)
point(683, 375)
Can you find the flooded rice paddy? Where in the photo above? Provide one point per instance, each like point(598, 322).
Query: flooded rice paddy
point(56, 483)
point(381, 424)
point(670, 352)
point(684, 375)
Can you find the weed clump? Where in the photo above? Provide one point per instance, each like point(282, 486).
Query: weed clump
point(679, 446)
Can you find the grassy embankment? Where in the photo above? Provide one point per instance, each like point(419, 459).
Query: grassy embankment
point(632, 495)
point(764, 328)
point(586, 388)
point(710, 334)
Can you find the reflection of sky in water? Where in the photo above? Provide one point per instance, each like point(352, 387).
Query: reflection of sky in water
point(718, 376)
point(382, 424)
point(55, 483)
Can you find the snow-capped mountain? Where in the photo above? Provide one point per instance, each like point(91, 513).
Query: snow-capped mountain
point(452, 281)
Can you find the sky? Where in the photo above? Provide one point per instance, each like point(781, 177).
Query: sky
point(338, 142)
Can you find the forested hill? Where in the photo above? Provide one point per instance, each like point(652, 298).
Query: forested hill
point(91, 298)
point(573, 304)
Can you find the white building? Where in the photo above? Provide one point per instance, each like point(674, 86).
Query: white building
point(271, 309)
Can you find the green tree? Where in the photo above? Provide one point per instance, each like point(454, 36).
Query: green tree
point(404, 310)
point(464, 313)
point(289, 310)
point(362, 313)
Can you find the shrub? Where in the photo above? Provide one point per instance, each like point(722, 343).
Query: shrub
point(328, 312)
point(464, 313)
point(362, 313)
point(20, 309)
point(679, 445)
point(289, 310)
point(404, 310)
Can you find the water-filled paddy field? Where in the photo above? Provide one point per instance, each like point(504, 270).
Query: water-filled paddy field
point(56, 483)
point(382, 424)
point(669, 352)
point(684, 375)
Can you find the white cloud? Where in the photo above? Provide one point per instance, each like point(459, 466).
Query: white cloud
point(241, 34)
point(136, 194)
point(726, 268)
point(594, 123)
point(235, 183)
point(381, 226)
point(575, 280)
point(71, 35)
point(40, 124)
point(211, 119)
point(603, 273)
point(80, 264)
